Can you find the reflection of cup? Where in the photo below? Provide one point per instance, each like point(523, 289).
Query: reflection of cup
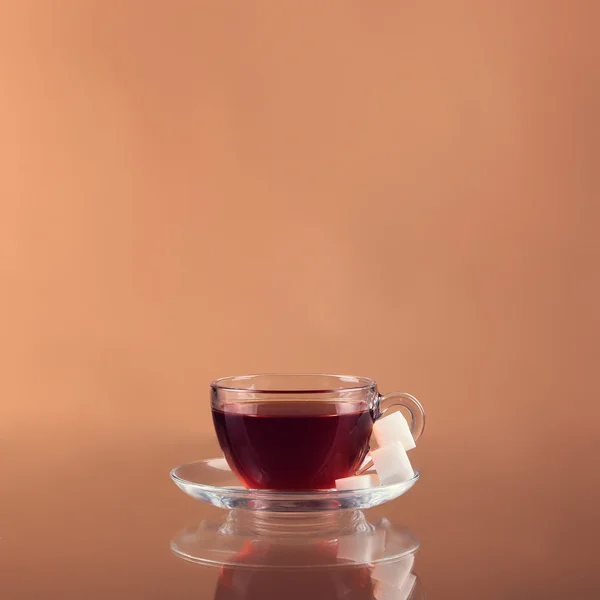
point(395, 580)
point(240, 583)
point(300, 432)
point(331, 557)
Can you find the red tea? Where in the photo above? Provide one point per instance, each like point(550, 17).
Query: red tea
point(293, 445)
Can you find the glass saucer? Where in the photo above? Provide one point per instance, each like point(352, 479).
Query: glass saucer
point(276, 541)
point(212, 481)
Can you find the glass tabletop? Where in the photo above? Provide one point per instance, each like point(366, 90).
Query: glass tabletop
point(111, 523)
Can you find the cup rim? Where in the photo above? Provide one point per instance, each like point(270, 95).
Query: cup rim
point(227, 384)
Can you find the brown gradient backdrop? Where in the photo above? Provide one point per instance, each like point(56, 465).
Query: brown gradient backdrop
point(403, 190)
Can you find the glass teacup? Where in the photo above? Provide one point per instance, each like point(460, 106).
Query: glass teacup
point(300, 432)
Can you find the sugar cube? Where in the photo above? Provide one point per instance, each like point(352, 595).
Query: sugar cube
point(363, 547)
point(393, 428)
point(392, 463)
point(394, 573)
point(357, 482)
point(384, 591)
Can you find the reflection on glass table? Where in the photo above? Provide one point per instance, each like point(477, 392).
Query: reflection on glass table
point(293, 556)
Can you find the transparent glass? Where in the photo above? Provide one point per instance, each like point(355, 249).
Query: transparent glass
point(301, 432)
point(213, 482)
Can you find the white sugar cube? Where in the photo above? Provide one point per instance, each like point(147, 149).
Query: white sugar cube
point(365, 462)
point(219, 464)
point(392, 464)
point(407, 586)
point(363, 547)
point(357, 482)
point(384, 591)
point(394, 573)
point(393, 428)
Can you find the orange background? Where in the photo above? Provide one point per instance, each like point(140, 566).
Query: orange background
point(402, 190)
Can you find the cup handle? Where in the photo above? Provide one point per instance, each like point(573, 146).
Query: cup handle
point(403, 400)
